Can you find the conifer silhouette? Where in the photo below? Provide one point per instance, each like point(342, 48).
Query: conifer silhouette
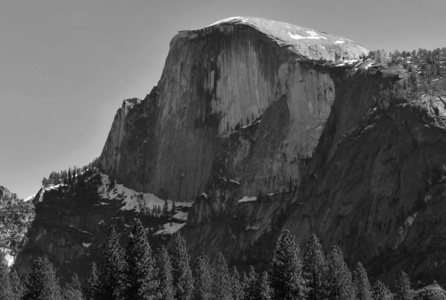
point(41, 283)
point(381, 292)
point(182, 274)
point(72, 290)
point(203, 278)
point(286, 269)
point(236, 285)
point(140, 273)
point(251, 289)
point(265, 288)
point(92, 288)
point(314, 269)
point(361, 283)
point(166, 289)
point(339, 276)
point(111, 268)
point(16, 285)
point(402, 287)
point(221, 280)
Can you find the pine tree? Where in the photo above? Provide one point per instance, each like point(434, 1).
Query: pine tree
point(236, 285)
point(111, 269)
point(381, 292)
point(339, 276)
point(141, 281)
point(221, 286)
point(286, 269)
point(16, 285)
point(402, 287)
point(314, 269)
point(69, 176)
point(165, 209)
point(72, 290)
point(361, 283)
point(41, 283)
point(92, 289)
point(251, 290)
point(183, 281)
point(164, 267)
point(203, 279)
point(5, 282)
point(265, 288)
point(174, 208)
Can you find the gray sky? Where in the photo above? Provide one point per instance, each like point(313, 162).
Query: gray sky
point(66, 66)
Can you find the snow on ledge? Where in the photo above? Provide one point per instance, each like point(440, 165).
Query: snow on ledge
point(86, 245)
point(247, 199)
point(30, 198)
point(339, 42)
point(170, 228)
point(252, 228)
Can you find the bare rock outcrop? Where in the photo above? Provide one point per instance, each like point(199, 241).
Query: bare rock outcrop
point(216, 81)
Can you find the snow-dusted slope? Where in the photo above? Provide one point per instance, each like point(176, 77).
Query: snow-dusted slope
point(74, 219)
point(309, 43)
point(143, 203)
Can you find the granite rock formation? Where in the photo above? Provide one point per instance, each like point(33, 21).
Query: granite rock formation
point(265, 125)
point(219, 80)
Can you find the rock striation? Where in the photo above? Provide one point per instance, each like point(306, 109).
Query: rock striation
point(216, 82)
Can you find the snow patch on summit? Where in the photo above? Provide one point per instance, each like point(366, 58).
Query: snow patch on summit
point(313, 36)
point(238, 18)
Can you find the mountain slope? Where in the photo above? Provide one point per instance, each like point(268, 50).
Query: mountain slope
point(73, 220)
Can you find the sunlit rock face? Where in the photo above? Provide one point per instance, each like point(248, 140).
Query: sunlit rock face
point(216, 81)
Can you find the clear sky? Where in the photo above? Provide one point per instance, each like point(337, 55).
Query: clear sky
point(66, 66)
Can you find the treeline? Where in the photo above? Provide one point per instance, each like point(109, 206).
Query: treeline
point(70, 176)
point(138, 273)
point(429, 62)
point(425, 67)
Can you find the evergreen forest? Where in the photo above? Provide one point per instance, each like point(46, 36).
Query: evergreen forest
point(136, 272)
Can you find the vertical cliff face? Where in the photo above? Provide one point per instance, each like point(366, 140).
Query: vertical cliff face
point(375, 185)
point(217, 81)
